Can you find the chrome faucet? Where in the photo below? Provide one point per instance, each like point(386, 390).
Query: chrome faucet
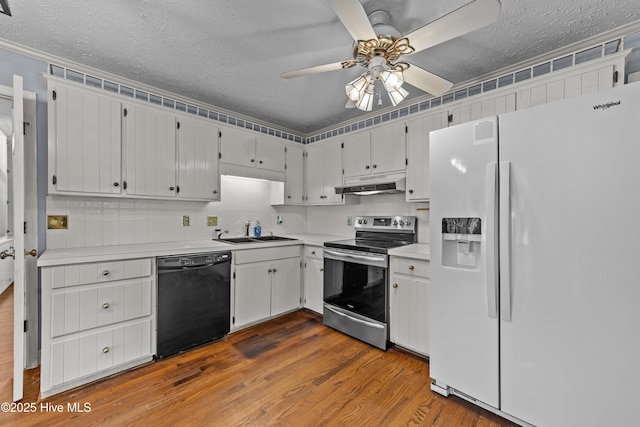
point(246, 228)
point(220, 234)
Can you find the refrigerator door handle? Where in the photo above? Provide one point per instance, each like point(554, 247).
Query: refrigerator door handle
point(491, 233)
point(505, 241)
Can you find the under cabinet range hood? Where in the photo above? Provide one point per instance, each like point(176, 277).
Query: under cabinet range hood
point(386, 184)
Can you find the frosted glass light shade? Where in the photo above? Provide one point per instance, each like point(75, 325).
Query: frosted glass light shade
point(366, 101)
point(392, 79)
point(356, 88)
point(397, 95)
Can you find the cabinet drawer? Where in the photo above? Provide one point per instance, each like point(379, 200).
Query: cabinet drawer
point(85, 355)
point(313, 252)
point(90, 307)
point(411, 266)
point(267, 254)
point(82, 274)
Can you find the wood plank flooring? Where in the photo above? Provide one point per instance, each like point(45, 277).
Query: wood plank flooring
point(291, 371)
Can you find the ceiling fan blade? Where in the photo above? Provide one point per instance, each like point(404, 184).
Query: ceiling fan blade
point(426, 81)
point(318, 69)
point(354, 18)
point(463, 20)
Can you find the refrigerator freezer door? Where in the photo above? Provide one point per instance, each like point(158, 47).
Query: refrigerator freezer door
point(569, 355)
point(463, 322)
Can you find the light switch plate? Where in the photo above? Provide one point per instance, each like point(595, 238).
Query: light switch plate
point(212, 221)
point(185, 220)
point(57, 222)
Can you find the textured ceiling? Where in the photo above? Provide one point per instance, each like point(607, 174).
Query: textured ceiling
point(230, 53)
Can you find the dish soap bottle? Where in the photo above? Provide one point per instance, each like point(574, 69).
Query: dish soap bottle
point(257, 230)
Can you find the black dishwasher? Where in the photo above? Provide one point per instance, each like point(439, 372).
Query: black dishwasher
point(194, 298)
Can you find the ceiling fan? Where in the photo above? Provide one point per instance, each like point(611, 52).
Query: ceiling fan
point(379, 48)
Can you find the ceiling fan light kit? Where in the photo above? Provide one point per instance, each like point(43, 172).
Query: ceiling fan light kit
point(379, 46)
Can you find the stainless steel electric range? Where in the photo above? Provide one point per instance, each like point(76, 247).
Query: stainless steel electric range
point(356, 277)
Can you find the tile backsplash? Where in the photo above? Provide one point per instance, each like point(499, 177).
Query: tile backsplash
point(95, 221)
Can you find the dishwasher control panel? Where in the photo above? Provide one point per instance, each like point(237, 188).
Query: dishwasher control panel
point(194, 260)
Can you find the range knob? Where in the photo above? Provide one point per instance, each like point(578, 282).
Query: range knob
point(408, 223)
point(359, 221)
point(395, 222)
point(364, 221)
point(401, 223)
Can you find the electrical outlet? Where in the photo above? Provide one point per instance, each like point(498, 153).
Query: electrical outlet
point(57, 222)
point(349, 221)
point(185, 220)
point(212, 221)
point(278, 219)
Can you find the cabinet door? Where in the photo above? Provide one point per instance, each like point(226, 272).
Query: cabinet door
point(388, 153)
point(293, 184)
point(198, 173)
point(418, 155)
point(270, 154)
point(357, 155)
point(332, 172)
point(86, 129)
point(285, 285)
point(313, 280)
point(314, 174)
point(253, 293)
point(238, 147)
point(409, 320)
point(150, 138)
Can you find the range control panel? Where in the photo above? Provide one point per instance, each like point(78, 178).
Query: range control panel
point(386, 223)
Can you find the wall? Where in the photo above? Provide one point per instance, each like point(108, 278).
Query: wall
point(333, 219)
point(108, 221)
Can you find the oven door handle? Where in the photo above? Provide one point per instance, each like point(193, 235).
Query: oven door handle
point(363, 259)
point(373, 325)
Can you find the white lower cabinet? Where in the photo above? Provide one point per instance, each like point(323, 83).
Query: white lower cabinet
point(97, 319)
point(267, 283)
point(313, 278)
point(409, 297)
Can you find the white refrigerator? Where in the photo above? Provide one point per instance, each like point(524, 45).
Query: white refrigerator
point(535, 261)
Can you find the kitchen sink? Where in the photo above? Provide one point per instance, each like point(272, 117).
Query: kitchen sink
point(254, 239)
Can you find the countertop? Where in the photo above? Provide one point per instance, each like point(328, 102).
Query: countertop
point(53, 257)
point(416, 250)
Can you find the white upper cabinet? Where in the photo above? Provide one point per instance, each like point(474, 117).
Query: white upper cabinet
point(198, 172)
point(323, 174)
point(84, 142)
point(418, 155)
point(150, 155)
point(377, 152)
point(247, 153)
point(294, 182)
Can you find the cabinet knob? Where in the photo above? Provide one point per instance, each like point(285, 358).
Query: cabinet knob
point(115, 184)
point(366, 167)
point(275, 269)
point(313, 252)
point(288, 197)
point(105, 305)
point(260, 162)
point(375, 166)
point(172, 188)
point(411, 267)
point(410, 191)
point(395, 285)
point(253, 160)
point(269, 270)
point(215, 191)
point(105, 350)
point(321, 268)
point(105, 273)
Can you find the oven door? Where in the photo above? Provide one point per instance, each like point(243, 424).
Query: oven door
point(356, 282)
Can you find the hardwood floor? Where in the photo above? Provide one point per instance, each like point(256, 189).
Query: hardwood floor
point(291, 371)
point(6, 345)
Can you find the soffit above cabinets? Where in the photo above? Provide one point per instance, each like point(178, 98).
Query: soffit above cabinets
point(230, 54)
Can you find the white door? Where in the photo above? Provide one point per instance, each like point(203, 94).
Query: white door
point(569, 350)
point(463, 294)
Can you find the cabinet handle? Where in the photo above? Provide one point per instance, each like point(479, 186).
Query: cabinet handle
point(105, 305)
point(395, 285)
point(375, 166)
point(115, 184)
point(215, 191)
point(410, 191)
point(321, 268)
point(366, 167)
point(171, 188)
point(105, 273)
point(313, 252)
point(411, 267)
point(105, 350)
point(253, 160)
point(275, 269)
point(269, 271)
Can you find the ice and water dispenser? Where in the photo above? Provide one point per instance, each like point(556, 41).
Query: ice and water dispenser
point(461, 238)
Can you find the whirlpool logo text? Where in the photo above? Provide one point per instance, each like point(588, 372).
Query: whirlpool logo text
point(607, 105)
